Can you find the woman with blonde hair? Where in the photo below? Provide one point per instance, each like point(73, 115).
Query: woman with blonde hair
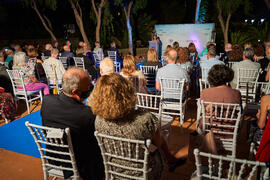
point(131, 72)
point(183, 59)
point(152, 58)
point(113, 101)
point(30, 81)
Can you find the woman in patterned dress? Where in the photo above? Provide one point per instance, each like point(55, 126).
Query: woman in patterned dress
point(113, 101)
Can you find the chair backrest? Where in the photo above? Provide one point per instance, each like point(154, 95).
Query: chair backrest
point(231, 63)
point(50, 73)
point(117, 67)
point(112, 55)
point(148, 101)
point(204, 71)
point(150, 74)
point(97, 60)
point(79, 62)
point(246, 75)
point(225, 119)
point(203, 84)
point(130, 151)
point(17, 82)
point(172, 88)
point(164, 61)
point(64, 61)
point(223, 168)
point(55, 149)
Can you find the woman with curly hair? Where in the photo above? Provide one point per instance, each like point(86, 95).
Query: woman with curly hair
point(113, 101)
point(183, 59)
point(236, 54)
point(131, 72)
point(218, 77)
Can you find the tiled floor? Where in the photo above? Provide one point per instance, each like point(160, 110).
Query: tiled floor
point(18, 166)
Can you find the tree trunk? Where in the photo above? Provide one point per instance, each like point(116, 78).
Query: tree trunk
point(78, 17)
point(46, 26)
point(197, 12)
point(98, 16)
point(129, 28)
point(225, 28)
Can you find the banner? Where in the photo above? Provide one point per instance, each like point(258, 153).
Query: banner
point(184, 34)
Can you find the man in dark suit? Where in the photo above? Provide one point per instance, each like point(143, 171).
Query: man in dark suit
point(67, 110)
point(67, 53)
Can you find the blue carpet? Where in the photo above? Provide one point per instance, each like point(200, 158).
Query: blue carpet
point(16, 137)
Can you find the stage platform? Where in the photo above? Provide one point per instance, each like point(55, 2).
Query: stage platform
point(15, 136)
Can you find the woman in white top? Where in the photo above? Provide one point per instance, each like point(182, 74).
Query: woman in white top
point(131, 72)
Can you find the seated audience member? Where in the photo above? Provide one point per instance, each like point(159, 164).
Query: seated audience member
point(69, 55)
point(4, 77)
point(262, 60)
point(68, 43)
point(88, 63)
point(183, 59)
point(258, 53)
point(205, 50)
point(37, 63)
point(17, 48)
point(247, 63)
point(107, 67)
point(175, 45)
point(211, 61)
point(48, 48)
point(171, 70)
point(193, 54)
point(113, 48)
point(59, 68)
point(248, 45)
point(7, 105)
point(99, 51)
point(67, 110)
point(131, 72)
point(264, 112)
point(55, 44)
point(237, 54)
point(114, 104)
point(9, 59)
point(152, 59)
point(80, 44)
point(30, 81)
point(227, 52)
point(218, 77)
point(168, 48)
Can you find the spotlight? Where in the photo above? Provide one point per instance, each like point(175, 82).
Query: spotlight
point(246, 20)
point(262, 20)
point(253, 20)
point(259, 40)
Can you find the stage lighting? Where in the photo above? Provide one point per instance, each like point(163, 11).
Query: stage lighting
point(253, 20)
point(259, 40)
point(262, 20)
point(246, 20)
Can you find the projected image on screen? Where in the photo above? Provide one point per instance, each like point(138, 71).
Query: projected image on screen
point(199, 34)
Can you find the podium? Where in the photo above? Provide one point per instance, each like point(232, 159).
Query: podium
point(154, 45)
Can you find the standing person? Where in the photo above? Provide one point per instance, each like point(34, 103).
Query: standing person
point(30, 81)
point(193, 54)
point(99, 51)
point(67, 110)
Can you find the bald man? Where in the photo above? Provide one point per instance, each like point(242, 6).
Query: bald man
point(171, 70)
point(67, 53)
point(67, 110)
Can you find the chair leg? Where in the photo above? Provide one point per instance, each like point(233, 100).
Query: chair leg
point(41, 98)
point(27, 105)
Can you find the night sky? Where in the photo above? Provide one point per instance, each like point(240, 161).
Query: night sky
point(20, 22)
